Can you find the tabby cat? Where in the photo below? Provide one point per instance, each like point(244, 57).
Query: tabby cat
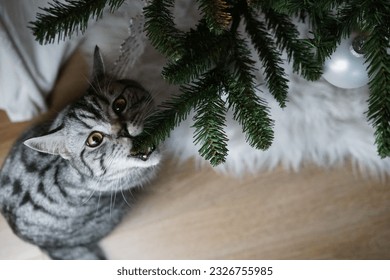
point(63, 184)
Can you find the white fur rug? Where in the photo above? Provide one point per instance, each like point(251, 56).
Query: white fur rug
point(321, 124)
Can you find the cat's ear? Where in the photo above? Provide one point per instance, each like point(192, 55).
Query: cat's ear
point(98, 70)
point(51, 143)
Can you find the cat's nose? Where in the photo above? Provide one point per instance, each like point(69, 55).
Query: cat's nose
point(134, 129)
point(124, 132)
point(129, 130)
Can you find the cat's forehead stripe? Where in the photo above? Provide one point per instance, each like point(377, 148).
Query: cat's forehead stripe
point(131, 84)
point(80, 118)
point(93, 108)
point(100, 98)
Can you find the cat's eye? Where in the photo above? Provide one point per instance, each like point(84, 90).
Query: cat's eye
point(94, 139)
point(119, 105)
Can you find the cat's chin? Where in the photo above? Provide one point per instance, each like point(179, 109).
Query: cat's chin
point(149, 158)
point(152, 160)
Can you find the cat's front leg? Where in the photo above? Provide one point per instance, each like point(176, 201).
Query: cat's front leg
point(82, 252)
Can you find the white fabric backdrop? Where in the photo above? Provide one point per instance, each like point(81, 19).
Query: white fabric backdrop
point(27, 70)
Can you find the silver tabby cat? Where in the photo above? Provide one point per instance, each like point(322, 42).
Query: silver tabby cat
point(63, 184)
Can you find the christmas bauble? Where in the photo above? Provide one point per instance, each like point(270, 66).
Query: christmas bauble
point(346, 67)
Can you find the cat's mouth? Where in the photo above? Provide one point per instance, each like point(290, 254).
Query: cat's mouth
point(143, 155)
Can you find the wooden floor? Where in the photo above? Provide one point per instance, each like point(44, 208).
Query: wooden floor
point(190, 213)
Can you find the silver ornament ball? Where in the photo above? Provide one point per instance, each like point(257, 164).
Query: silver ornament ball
point(346, 67)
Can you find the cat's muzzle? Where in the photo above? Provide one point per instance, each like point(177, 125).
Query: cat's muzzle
point(143, 155)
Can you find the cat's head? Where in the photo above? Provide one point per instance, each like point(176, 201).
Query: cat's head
point(96, 133)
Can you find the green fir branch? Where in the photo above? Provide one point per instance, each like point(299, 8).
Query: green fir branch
point(299, 53)
point(248, 109)
point(209, 121)
point(378, 60)
point(296, 7)
point(203, 96)
point(61, 20)
point(270, 56)
point(216, 14)
point(324, 23)
point(203, 51)
point(167, 116)
point(161, 30)
point(211, 60)
point(379, 101)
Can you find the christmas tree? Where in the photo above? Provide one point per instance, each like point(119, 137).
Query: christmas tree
point(215, 70)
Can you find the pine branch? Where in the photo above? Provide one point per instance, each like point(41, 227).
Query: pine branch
point(320, 16)
point(168, 115)
point(161, 30)
point(211, 59)
point(270, 56)
point(249, 109)
point(203, 51)
point(210, 121)
point(204, 97)
point(61, 20)
point(296, 7)
point(216, 14)
point(378, 59)
point(298, 52)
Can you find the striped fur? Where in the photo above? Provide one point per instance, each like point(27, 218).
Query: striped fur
point(63, 194)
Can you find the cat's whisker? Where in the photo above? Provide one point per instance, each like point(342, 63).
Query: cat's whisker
point(111, 202)
point(149, 112)
point(137, 120)
point(98, 203)
point(89, 198)
point(115, 192)
point(100, 90)
point(92, 85)
point(124, 198)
